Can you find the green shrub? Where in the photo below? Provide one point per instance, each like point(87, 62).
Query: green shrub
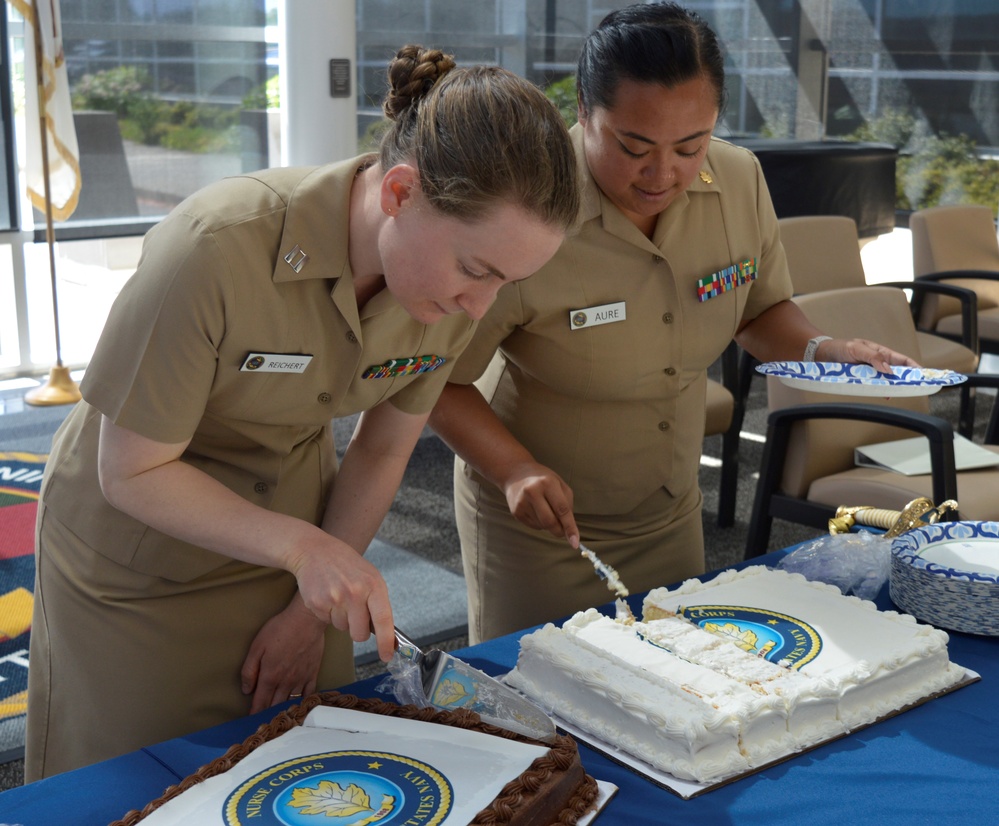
point(184, 125)
point(933, 169)
point(265, 96)
point(201, 139)
point(112, 90)
point(563, 94)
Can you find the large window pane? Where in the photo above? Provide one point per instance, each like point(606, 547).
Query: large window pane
point(922, 74)
point(160, 88)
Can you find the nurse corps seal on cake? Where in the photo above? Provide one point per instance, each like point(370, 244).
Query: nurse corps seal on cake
point(725, 676)
point(341, 759)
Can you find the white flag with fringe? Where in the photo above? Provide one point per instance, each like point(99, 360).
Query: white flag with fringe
point(43, 31)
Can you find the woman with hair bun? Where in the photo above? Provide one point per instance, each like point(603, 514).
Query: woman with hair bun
point(199, 554)
point(589, 424)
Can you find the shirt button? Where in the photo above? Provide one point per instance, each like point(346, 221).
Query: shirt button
point(260, 487)
point(664, 425)
point(670, 371)
point(351, 337)
point(657, 258)
point(667, 318)
point(324, 398)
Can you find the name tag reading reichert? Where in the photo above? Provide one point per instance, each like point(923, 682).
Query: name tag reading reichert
point(275, 363)
point(594, 316)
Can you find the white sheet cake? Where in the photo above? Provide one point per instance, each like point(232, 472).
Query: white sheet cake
point(727, 675)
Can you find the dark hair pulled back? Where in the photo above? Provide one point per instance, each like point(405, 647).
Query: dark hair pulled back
point(479, 136)
point(650, 43)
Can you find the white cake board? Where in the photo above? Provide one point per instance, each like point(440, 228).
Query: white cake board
point(688, 789)
point(605, 791)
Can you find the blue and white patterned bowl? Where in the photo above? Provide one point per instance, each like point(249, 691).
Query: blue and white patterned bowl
point(948, 575)
point(860, 379)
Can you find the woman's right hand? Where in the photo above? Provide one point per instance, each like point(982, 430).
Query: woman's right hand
point(535, 494)
point(149, 481)
point(341, 587)
point(540, 498)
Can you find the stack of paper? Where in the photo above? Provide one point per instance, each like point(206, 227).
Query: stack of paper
point(911, 457)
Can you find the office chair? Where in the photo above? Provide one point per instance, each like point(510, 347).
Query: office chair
point(958, 245)
point(808, 467)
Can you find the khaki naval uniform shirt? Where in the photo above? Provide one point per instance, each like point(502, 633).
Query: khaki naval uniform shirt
point(223, 277)
point(617, 409)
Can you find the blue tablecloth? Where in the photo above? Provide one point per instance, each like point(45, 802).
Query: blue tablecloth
point(938, 763)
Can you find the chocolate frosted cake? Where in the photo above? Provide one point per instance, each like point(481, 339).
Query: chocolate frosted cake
point(554, 789)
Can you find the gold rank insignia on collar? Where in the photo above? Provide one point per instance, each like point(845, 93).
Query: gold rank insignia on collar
point(403, 367)
point(706, 177)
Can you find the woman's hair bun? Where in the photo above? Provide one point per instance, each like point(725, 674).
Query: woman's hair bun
point(411, 75)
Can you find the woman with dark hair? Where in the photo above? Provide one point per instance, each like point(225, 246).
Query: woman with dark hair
point(588, 423)
point(199, 554)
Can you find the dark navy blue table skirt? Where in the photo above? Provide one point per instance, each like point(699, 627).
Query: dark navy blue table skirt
point(937, 763)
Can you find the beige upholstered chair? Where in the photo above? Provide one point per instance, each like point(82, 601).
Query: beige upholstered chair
point(808, 466)
point(823, 253)
point(958, 245)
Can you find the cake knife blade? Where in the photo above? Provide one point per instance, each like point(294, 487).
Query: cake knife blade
point(613, 582)
point(450, 683)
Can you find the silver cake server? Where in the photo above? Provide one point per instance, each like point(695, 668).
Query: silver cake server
point(450, 683)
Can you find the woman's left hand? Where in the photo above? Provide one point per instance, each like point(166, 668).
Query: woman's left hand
point(284, 658)
point(862, 351)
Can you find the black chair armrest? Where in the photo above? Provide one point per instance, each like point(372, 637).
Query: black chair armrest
point(938, 431)
point(770, 502)
point(730, 368)
point(968, 299)
point(949, 275)
point(990, 380)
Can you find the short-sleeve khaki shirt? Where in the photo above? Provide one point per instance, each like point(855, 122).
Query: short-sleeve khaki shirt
point(617, 408)
point(252, 264)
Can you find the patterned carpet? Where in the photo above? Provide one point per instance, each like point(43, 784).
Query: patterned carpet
point(20, 478)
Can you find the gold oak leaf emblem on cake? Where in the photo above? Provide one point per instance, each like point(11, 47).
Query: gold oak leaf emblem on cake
point(332, 800)
point(450, 693)
point(742, 637)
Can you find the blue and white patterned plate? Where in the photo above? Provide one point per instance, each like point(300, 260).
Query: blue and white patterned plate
point(948, 575)
point(860, 379)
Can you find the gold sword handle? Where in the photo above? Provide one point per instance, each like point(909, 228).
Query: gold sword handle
point(918, 512)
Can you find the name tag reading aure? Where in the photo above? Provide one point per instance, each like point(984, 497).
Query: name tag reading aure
point(595, 316)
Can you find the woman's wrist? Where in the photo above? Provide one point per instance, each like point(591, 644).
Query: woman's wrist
point(812, 348)
point(300, 611)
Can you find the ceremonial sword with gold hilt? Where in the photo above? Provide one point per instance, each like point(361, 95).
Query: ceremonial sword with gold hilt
point(917, 513)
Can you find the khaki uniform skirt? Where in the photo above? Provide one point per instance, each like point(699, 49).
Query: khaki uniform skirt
point(161, 659)
point(518, 577)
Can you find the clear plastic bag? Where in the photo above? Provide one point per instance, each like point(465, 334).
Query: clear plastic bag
point(404, 682)
point(856, 563)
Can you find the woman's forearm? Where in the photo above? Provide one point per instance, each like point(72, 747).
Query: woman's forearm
point(468, 425)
